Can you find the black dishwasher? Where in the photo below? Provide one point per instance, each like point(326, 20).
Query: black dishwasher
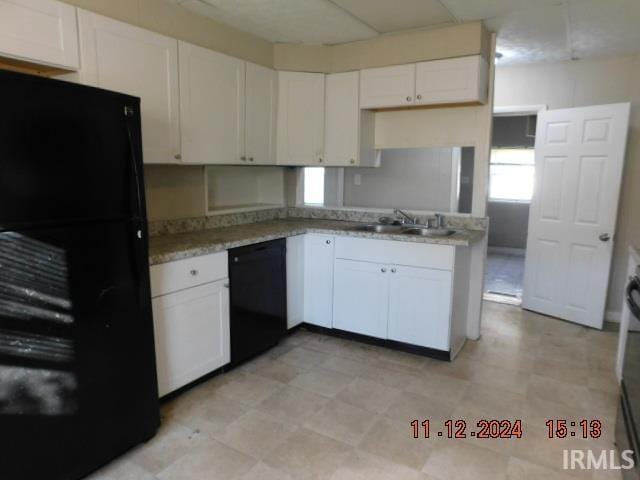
point(258, 298)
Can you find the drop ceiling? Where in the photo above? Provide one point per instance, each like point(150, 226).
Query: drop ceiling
point(529, 31)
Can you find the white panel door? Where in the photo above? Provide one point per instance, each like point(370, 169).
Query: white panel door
point(117, 56)
point(342, 119)
point(318, 279)
point(388, 86)
point(453, 80)
point(300, 118)
point(211, 106)
point(261, 97)
point(420, 306)
point(361, 297)
point(579, 160)
point(39, 31)
point(191, 334)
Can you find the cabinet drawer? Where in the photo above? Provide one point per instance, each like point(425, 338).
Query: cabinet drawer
point(181, 274)
point(393, 252)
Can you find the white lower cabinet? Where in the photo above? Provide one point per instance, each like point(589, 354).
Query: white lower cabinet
point(318, 279)
point(191, 334)
point(191, 319)
point(397, 291)
point(295, 280)
point(420, 306)
point(361, 297)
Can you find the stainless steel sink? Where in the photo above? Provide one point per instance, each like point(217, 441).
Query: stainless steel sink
point(381, 228)
point(429, 232)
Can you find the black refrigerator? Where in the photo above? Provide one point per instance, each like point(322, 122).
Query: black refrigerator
point(77, 365)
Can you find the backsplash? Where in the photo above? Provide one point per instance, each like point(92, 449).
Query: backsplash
point(371, 216)
point(193, 224)
point(183, 225)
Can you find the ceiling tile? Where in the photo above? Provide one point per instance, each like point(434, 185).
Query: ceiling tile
point(385, 16)
point(604, 28)
point(290, 21)
point(470, 10)
point(532, 36)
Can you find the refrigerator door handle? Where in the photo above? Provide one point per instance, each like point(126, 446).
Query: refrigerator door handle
point(136, 173)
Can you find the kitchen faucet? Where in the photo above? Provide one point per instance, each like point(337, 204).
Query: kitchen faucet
point(405, 217)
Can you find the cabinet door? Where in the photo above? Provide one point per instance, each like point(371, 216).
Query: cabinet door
point(361, 297)
point(420, 306)
point(39, 31)
point(300, 118)
point(342, 119)
point(211, 106)
point(453, 80)
point(318, 279)
point(261, 96)
point(295, 280)
point(191, 334)
point(387, 86)
point(117, 56)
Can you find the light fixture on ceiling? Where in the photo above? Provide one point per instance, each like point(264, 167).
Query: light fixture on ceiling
point(498, 56)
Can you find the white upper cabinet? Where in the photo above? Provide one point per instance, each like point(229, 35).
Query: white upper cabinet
point(454, 80)
point(44, 32)
point(349, 131)
point(388, 86)
point(117, 56)
point(300, 118)
point(211, 106)
point(437, 82)
point(260, 108)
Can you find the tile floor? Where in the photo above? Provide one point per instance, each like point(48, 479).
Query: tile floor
point(504, 274)
point(316, 407)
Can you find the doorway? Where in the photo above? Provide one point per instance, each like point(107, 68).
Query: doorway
point(512, 174)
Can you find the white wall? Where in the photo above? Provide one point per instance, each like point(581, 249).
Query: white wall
point(411, 178)
point(582, 83)
point(231, 186)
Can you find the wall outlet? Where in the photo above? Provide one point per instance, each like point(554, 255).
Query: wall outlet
point(357, 179)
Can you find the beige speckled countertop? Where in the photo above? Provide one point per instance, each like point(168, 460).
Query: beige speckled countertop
point(166, 248)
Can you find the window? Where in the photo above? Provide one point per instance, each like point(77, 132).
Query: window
point(512, 173)
point(314, 185)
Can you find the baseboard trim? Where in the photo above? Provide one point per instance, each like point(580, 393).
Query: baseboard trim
point(520, 252)
point(379, 342)
point(613, 316)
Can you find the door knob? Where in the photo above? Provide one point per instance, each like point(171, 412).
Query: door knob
point(408, 99)
point(393, 270)
point(328, 242)
point(194, 272)
point(177, 156)
point(383, 270)
point(604, 237)
point(419, 97)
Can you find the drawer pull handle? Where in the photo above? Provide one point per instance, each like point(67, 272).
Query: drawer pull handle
point(194, 272)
